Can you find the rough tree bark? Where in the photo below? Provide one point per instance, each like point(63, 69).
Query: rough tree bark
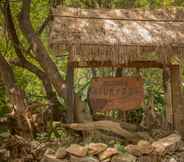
point(18, 105)
point(42, 55)
point(22, 61)
point(104, 125)
point(39, 50)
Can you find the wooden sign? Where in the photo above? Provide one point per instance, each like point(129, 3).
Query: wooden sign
point(124, 93)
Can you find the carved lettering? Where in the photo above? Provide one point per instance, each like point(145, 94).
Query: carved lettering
point(124, 93)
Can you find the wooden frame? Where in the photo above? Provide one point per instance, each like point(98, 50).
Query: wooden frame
point(70, 92)
point(171, 83)
point(177, 99)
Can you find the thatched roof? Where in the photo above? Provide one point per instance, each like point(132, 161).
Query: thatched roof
point(117, 35)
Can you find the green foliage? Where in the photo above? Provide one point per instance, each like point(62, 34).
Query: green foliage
point(39, 11)
point(3, 102)
point(120, 148)
point(153, 85)
point(123, 3)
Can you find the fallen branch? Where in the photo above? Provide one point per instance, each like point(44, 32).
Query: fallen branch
point(104, 125)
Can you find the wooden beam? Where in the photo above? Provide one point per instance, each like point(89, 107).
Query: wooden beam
point(70, 92)
point(177, 102)
point(133, 64)
point(121, 19)
point(169, 122)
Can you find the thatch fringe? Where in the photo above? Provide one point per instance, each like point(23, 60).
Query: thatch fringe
point(112, 35)
point(120, 54)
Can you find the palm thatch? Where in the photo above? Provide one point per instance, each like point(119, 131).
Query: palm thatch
point(118, 35)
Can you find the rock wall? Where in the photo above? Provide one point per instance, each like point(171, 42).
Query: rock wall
point(167, 149)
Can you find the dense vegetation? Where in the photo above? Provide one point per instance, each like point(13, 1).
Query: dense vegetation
point(32, 84)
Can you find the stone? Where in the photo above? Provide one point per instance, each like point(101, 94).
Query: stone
point(109, 152)
point(52, 158)
point(29, 157)
point(61, 153)
point(179, 156)
point(49, 151)
point(77, 150)
point(145, 135)
point(4, 154)
point(145, 147)
point(124, 158)
point(18, 160)
point(96, 148)
point(106, 160)
point(142, 148)
point(149, 158)
point(167, 144)
point(34, 144)
point(172, 160)
point(83, 159)
point(133, 149)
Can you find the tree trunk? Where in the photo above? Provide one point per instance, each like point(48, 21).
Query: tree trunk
point(41, 53)
point(39, 50)
point(22, 61)
point(16, 96)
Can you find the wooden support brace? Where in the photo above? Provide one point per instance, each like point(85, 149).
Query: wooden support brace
point(169, 123)
point(177, 102)
point(70, 93)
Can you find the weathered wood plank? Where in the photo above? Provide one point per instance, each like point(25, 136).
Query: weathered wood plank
point(168, 98)
point(70, 92)
point(177, 99)
point(133, 64)
point(123, 93)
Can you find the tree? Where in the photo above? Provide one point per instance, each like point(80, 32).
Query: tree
point(18, 105)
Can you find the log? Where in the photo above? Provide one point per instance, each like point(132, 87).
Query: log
point(123, 124)
point(104, 125)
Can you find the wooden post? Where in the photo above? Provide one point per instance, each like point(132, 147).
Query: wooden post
point(177, 99)
point(169, 122)
point(70, 92)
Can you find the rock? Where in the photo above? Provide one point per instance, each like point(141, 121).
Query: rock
point(96, 148)
point(61, 153)
point(106, 160)
point(145, 147)
point(4, 154)
point(18, 160)
point(172, 160)
point(77, 150)
point(109, 152)
point(123, 158)
point(35, 144)
point(133, 149)
point(145, 135)
point(149, 158)
point(179, 156)
point(49, 151)
point(52, 158)
point(29, 157)
point(142, 148)
point(167, 144)
point(83, 159)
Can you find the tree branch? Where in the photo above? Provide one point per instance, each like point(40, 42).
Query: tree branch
point(39, 50)
point(40, 30)
point(22, 62)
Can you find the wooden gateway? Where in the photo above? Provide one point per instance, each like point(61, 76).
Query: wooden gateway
point(123, 38)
